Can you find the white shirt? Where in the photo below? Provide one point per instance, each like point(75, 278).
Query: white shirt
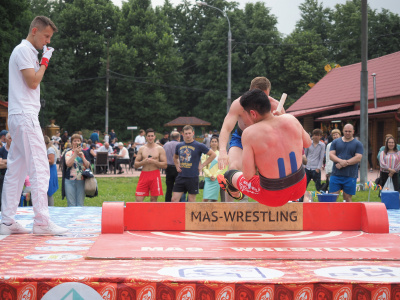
point(124, 152)
point(21, 98)
point(56, 141)
point(328, 162)
point(103, 149)
point(140, 140)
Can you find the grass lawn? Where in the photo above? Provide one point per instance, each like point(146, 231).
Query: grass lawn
point(123, 189)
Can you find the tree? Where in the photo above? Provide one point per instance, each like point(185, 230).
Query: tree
point(144, 64)
point(79, 48)
point(303, 62)
point(384, 33)
point(15, 18)
point(257, 45)
point(346, 35)
point(314, 17)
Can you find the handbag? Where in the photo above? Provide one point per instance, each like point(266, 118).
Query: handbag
point(90, 184)
point(201, 184)
point(90, 187)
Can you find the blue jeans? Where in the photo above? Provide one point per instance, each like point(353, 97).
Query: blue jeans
point(75, 192)
point(312, 174)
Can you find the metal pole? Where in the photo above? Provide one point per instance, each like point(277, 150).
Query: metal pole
point(364, 93)
point(374, 82)
point(228, 100)
point(107, 80)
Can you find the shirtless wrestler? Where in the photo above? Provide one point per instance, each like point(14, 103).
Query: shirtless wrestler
point(281, 173)
point(152, 158)
point(237, 115)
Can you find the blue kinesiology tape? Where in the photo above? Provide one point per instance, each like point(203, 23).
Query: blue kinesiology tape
point(281, 166)
point(293, 161)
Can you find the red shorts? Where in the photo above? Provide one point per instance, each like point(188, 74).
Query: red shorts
point(149, 181)
point(253, 189)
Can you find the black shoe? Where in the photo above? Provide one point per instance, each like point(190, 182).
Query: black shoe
point(226, 186)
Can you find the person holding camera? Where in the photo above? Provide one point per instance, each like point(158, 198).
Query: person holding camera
point(151, 157)
point(76, 163)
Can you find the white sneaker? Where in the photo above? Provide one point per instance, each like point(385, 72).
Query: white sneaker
point(50, 229)
point(14, 228)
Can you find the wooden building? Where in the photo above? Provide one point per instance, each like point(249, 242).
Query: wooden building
point(3, 115)
point(197, 124)
point(335, 101)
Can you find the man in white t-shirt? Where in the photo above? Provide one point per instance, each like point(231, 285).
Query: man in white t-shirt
point(140, 140)
point(27, 154)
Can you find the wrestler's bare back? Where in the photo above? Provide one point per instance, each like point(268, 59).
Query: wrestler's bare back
point(153, 153)
point(270, 139)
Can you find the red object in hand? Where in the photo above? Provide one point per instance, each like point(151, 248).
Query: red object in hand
point(45, 62)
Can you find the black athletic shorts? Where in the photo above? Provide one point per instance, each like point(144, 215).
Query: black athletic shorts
point(186, 184)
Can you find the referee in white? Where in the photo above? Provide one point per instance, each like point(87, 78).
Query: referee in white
point(27, 154)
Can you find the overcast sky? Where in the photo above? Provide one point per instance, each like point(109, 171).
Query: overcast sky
point(287, 11)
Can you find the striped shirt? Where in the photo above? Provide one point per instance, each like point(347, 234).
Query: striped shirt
point(390, 161)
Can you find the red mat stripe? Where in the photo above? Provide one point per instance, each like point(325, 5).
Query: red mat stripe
point(163, 216)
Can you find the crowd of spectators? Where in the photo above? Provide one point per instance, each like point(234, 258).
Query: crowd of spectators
point(79, 153)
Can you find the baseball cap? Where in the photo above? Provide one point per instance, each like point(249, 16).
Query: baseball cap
point(3, 132)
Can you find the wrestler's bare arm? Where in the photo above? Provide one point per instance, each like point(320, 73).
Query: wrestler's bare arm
point(229, 123)
point(248, 163)
point(162, 162)
point(306, 138)
point(274, 105)
point(139, 158)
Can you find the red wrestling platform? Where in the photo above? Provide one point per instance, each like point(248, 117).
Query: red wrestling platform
point(239, 245)
point(182, 234)
point(220, 264)
point(368, 217)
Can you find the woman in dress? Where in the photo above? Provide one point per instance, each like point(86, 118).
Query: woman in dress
point(211, 185)
point(52, 157)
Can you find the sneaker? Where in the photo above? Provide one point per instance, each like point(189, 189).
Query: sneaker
point(50, 229)
point(15, 228)
point(371, 170)
point(224, 184)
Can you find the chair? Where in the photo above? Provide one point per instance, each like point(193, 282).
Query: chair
point(101, 160)
point(131, 152)
point(125, 162)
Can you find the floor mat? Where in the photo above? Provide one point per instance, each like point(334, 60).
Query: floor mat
point(289, 245)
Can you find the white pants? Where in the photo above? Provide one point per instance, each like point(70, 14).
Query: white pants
point(27, 156)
